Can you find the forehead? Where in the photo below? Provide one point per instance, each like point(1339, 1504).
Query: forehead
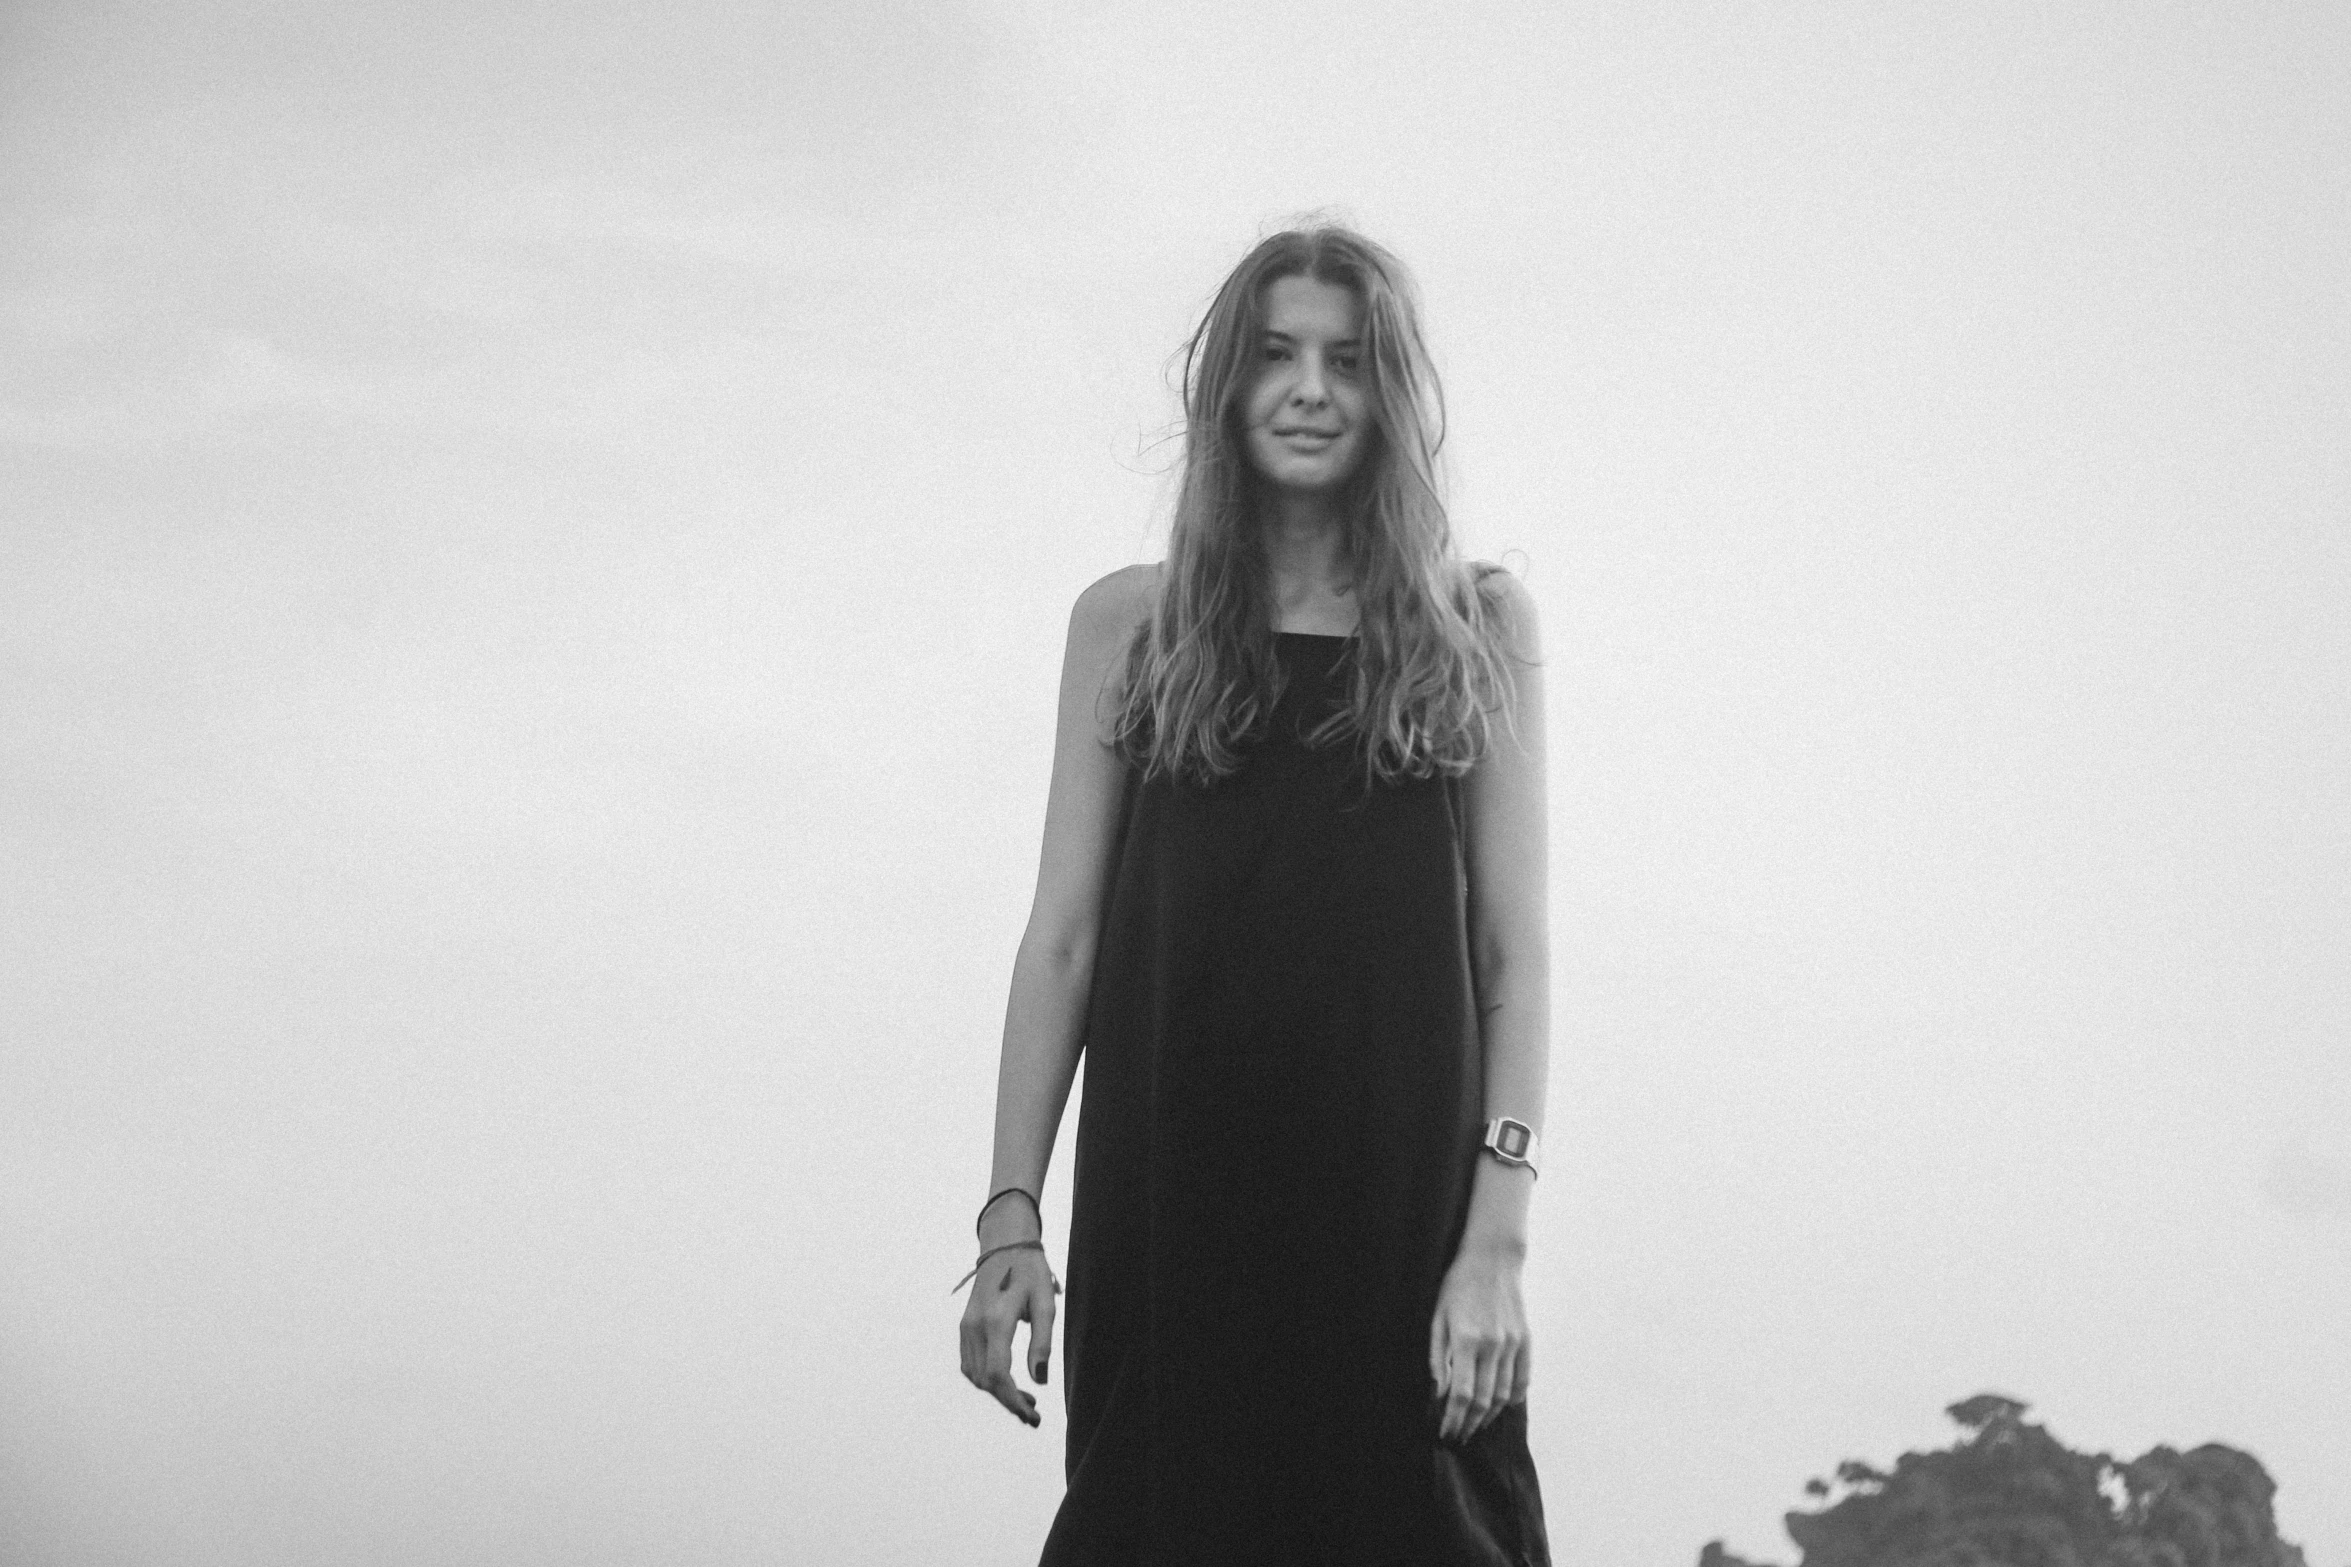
point(1304, 307)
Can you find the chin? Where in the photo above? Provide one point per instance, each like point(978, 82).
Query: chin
point(1320, 477)
point(1305, 483)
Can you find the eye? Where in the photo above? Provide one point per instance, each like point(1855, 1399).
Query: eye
point(1275, 351)
point(1346, 364)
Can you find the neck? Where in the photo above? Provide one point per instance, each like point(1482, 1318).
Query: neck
point(1304, 552)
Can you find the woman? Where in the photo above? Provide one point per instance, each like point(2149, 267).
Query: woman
point(1291, 908)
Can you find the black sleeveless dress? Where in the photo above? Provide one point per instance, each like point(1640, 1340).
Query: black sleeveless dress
point(1280, 1123)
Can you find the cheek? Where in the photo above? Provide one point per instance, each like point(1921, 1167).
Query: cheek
point(1258, 449)
point(1263, 401)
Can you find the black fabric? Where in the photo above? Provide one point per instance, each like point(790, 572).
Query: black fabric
point(1282, 1106)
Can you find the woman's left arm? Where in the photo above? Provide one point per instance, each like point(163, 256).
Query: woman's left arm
point(1479, 1352)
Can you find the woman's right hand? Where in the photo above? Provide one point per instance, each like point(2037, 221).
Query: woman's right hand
point(1011, 1287)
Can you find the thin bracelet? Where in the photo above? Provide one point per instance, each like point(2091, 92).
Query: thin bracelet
point(1006, 1192)
point(992, 1251)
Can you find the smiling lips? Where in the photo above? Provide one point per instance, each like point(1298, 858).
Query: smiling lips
point(1310, 437)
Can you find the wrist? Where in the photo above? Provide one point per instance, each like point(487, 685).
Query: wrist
point(1012, 1221)
point(1495, 1245)
point(1012, 1214)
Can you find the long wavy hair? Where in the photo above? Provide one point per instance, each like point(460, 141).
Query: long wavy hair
point(1428, 665)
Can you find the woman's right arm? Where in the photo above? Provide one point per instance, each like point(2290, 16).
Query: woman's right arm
point(1044, 1019)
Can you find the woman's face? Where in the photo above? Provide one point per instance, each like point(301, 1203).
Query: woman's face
point(1306, 417)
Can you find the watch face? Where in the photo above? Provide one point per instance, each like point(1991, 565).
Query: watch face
point(1511, 1138)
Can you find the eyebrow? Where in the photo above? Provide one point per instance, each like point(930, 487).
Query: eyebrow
point(1336, 342)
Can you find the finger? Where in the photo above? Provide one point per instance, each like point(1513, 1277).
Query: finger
point(1437, 1381)
point(1460, 1380)
point(1041, 1315)
point(1477, 1389)
point(972, 1336)
point(996, 1349)
point(1000, 1386)
point(1496, 1372)
point(1002, 1315)
point(1523, 1380)
point(995, 1378)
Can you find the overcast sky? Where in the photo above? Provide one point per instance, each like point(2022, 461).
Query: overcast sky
point(534, 548)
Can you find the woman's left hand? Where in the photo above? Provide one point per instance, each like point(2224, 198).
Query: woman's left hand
point(1480, 1355)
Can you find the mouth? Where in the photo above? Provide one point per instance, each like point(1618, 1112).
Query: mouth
point(1304, 437)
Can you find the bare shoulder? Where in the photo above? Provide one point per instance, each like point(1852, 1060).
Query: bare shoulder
point(1107, 612)
point(1101, 628)
point(1508, 600)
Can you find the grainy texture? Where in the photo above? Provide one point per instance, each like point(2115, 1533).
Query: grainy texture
point(1283, 1096)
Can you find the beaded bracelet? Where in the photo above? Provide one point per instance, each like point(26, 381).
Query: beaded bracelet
point(992, 1251)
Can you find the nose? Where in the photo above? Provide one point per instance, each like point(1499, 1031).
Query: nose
point(1309, 389)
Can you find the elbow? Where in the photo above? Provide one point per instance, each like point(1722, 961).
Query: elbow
point(1507, 968)
point(1058, 952)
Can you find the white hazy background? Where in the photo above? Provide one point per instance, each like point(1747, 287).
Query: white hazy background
point(536, 548)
